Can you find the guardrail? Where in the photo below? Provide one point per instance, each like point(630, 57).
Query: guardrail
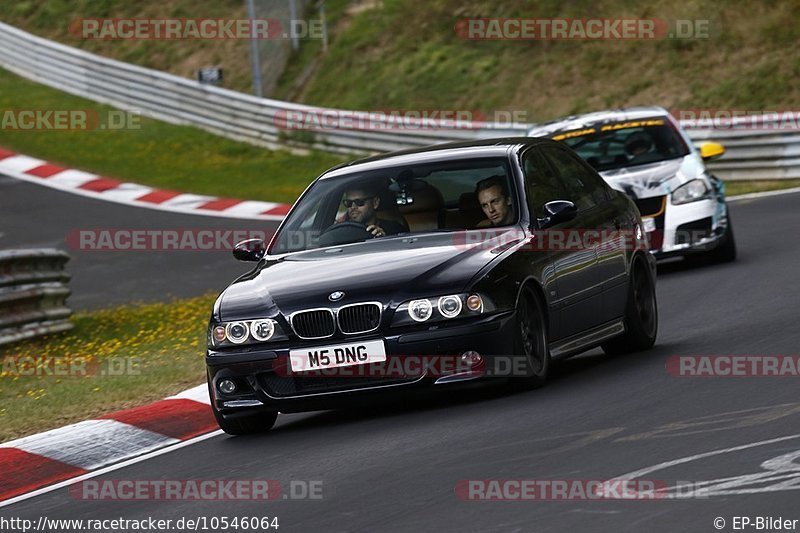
point(754, 154)
point(261, 121)
point(33, 294)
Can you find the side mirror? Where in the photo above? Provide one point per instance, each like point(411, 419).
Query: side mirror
point(558, 211)
point(250, 250)
point(710, 150)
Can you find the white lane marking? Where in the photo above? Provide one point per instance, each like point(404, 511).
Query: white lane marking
point(129, 462)
point(92, 444)
point(20, 164)
point(782, 461)
point(762, 194)
point(196, 394)
point(782, 472)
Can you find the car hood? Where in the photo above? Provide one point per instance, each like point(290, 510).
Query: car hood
point(389, 270)
point(644, 181)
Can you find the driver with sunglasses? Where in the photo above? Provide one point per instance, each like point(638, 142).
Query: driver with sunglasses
point(361, 204)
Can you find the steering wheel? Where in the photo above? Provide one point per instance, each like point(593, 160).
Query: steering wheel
point(344, 233)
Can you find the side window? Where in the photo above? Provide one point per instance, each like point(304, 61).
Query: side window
point(542, 185)
point(584, 187)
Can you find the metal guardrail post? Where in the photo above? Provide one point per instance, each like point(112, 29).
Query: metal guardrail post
point(33, 294)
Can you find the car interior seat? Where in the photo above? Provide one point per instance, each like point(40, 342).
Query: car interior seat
point(426, 211)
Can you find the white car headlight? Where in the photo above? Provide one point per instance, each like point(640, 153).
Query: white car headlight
point(262, 330)
point(690, 192)
point(237, 332)
point(449, 306)
point(420, 310)
point(241, 332)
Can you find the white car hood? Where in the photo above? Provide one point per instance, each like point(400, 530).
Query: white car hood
point(652, 179)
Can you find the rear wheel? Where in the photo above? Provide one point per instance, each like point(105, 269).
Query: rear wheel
point(641, 313)
point(530, 340)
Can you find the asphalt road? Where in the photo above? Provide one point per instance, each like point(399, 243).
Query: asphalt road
point(32, 216)
point(394, 468)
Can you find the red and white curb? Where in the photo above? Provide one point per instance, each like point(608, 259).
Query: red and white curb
point(41, 172)
point(75, 450)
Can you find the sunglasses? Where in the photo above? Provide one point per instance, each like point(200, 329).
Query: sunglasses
point(360, 202)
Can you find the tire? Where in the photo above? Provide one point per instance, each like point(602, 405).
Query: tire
point(530, 340)
point(726, 251)
point(244, 423)
point(641, 313)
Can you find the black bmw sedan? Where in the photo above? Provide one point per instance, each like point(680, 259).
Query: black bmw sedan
point(429, 268)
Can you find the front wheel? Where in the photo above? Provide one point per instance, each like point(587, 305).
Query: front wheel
point(726, 251)
point(641, 313)
point(530, 340)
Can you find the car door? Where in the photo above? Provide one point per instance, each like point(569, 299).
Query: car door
point(613, 236)
point(580, 271)
point(574, 294)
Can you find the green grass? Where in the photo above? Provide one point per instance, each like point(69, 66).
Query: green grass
point(161, 344)
point(159, 154)
point(732, 188)
point(405, 54)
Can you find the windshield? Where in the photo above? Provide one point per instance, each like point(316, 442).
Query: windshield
point(625, 144)
point(405, 199)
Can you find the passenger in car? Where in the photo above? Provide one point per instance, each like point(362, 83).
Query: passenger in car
point(495, 202)
point(361, 204)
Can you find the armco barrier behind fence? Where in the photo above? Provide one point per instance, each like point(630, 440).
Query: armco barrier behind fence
point(751, 154)
point(33, 294)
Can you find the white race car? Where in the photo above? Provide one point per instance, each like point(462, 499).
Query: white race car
point(644, 153)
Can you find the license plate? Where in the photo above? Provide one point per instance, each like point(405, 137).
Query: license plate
point(649, 224)
point(320, 357)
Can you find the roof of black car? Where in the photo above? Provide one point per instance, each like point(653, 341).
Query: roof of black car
point(453, 150)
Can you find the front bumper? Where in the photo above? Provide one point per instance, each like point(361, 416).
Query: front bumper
point(265, 381)
point(695, 227)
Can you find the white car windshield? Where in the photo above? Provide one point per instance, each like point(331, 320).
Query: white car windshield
point(617, 145)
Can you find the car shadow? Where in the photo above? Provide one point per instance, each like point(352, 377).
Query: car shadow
point(676, 265)
point(565, 375)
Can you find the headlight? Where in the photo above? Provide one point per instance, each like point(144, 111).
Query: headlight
point(237, 332)
point(244, 332)
point(262, 330)
point(690, 192)
point(449, 306)
point(420, 310)
point(440, 308)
